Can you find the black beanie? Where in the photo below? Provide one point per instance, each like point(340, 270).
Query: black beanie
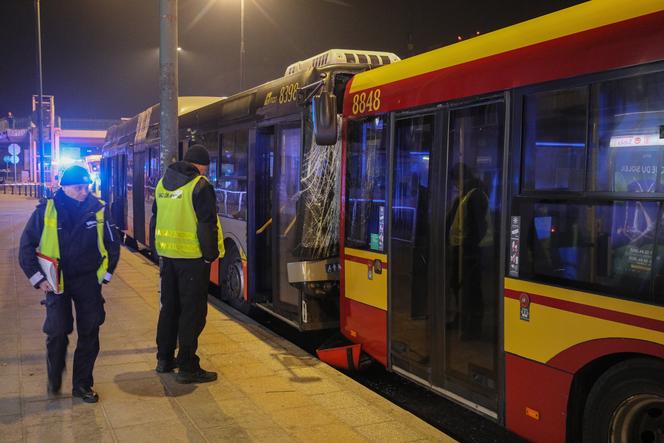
point(197, 154)
point(75, 175)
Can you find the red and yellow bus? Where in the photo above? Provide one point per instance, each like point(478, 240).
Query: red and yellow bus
point(503, 222)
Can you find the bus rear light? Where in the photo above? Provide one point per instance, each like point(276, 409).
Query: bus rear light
point(535, 415)
point(352, 333)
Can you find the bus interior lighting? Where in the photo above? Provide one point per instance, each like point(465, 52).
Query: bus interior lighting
point(559, 145)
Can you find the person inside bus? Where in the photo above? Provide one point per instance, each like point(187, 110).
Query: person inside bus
point(419, 300)
point(74, 231)
point(467, 232)
point(188, 238)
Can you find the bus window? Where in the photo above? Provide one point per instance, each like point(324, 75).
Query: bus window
point(366, 190)
point(232, 181)
point(606, 246)
point(658, 283)
point(154, 175)
point(555, 140)
point(626, 146)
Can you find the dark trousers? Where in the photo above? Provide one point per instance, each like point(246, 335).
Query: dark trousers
point(184, 288)
point(85, 292)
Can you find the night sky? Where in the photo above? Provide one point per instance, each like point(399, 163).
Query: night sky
point(101, 59)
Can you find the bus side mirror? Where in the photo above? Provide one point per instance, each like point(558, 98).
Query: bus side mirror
point(325, 118)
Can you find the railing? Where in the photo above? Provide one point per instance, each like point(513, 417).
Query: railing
point(232, 203)
point(87, 123)
point(92, 124)
point(15, 123)
point(28, 189)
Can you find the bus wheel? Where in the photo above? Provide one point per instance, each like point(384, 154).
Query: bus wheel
point(232, 280)
point(626, 404)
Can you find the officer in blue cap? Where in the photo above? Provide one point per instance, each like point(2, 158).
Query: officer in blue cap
point(73, 234)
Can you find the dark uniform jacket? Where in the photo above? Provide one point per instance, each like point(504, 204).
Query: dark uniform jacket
point(77, 237)
point(205, 205)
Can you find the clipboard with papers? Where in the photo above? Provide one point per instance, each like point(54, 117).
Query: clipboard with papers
point(51, 269)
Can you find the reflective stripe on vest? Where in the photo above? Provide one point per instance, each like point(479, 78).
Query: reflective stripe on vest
point(49, 243)
point(175, 232)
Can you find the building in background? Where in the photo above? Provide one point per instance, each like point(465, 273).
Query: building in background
point(67, 141)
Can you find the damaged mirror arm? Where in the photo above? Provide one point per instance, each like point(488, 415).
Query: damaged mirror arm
point(324, 110)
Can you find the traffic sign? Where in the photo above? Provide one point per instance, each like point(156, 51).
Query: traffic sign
point(12, 159)
point(14, 149)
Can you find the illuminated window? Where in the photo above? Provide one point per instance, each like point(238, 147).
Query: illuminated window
point(555, 140)
point(366, 191)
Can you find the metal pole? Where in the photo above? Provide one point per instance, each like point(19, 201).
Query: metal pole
point(168, 82)
point(242, 45)
point(40, 117)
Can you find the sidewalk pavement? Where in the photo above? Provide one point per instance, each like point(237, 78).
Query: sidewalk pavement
point(268, 389)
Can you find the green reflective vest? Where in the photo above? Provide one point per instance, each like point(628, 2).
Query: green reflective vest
point(49, 244)
point(175, 231)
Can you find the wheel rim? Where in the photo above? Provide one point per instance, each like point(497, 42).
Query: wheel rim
point(235, 280)
point(639, 418)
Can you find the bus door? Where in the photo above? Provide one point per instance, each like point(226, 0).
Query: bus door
point(446, 174)
point(139, 197)
point(119, 191)
point(470, 285)
point(129, 182)
point(261, 259)
point(411, 318)
point(285, 220)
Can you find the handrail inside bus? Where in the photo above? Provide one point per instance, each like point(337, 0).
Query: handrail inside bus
point(264, 227)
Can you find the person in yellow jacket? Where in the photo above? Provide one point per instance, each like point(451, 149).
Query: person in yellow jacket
point(74, 230)
point(469, 230)
point(187, 237)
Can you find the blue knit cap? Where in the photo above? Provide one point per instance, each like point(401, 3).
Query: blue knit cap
point(75, 175)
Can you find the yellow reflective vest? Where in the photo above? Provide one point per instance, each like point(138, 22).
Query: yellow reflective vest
point(457, 233)
point(49, 244)
point(175, 232)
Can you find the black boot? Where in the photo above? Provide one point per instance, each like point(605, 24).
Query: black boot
point(54, 378)
point(197, 376)
point(54, 385)
point(164, 366)
point(86, 394)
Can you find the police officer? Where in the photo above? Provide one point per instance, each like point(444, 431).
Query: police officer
point(73, 229)
point(187, 237)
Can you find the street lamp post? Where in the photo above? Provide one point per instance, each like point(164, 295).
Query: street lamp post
point(241, 45)
point(40, 117)
point(168, 82)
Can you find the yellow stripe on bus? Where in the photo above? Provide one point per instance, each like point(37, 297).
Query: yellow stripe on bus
point(585, 298)
point(369, 255)
point(551, 331)
point(358, 286)
point(579, 18)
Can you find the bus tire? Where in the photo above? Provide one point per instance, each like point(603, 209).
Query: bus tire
point(626, 404)
point(232, 281)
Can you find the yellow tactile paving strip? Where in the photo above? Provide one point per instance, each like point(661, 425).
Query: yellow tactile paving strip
point(268, 389)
